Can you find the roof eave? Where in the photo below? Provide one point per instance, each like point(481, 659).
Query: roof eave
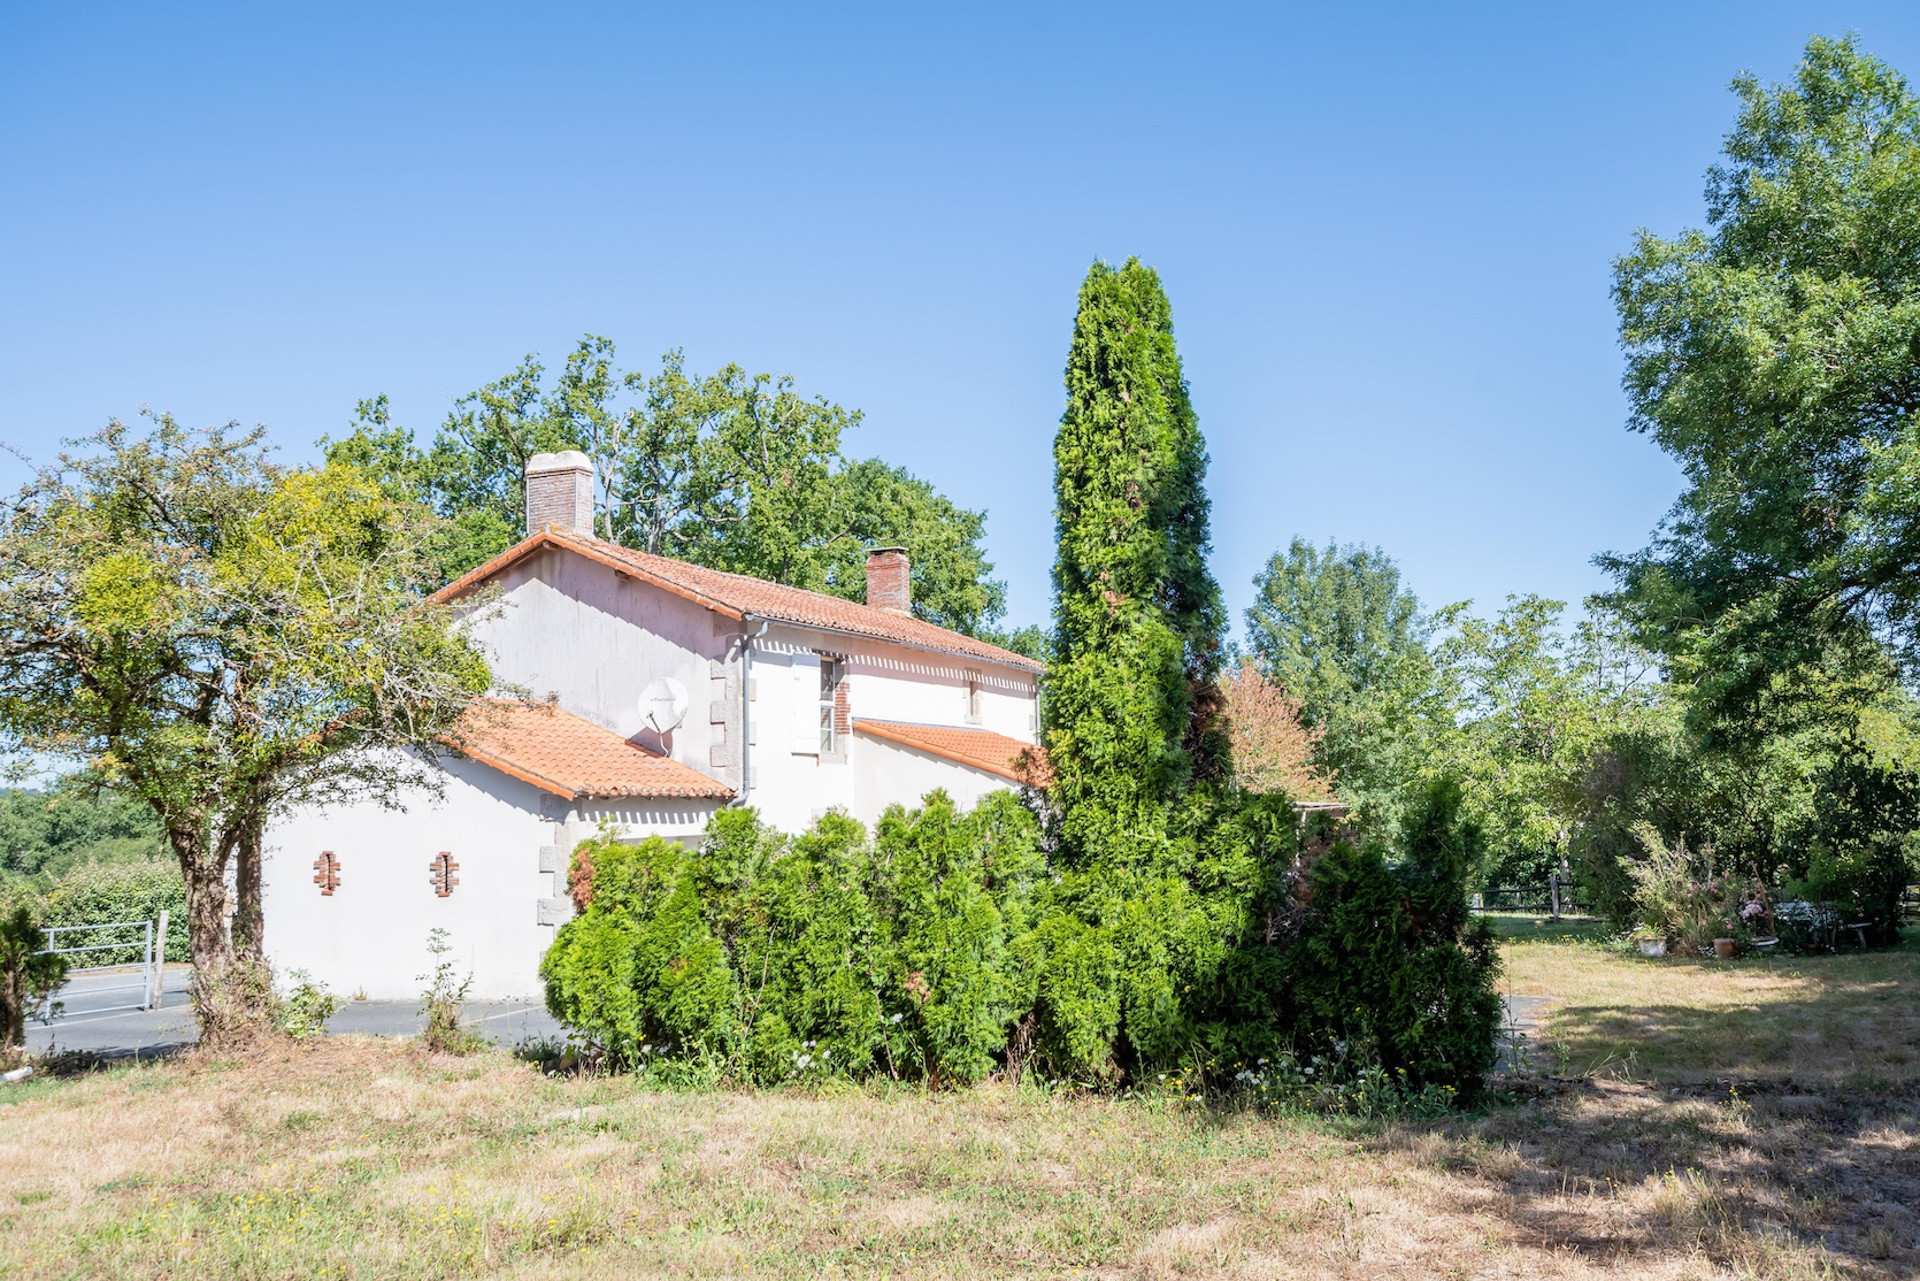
point(971, 762)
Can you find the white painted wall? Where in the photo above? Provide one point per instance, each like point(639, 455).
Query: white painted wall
point(884, 682)
point(576, 629)
point(371, 934)
point(891, 773)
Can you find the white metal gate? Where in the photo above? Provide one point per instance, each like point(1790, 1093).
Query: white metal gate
point(136, 949)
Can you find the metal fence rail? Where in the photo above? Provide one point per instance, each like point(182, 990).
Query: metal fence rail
point(1555, 897)
point(126, 944)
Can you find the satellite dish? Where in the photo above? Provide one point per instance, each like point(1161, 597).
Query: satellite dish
point(664, 704)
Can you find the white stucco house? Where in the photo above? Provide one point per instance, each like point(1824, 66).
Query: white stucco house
point(661, 692)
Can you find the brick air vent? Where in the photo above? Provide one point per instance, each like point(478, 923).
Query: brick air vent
point(442, 870)
point(326, 873)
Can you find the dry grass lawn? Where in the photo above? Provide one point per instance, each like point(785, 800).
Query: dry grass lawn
point(361, 1158)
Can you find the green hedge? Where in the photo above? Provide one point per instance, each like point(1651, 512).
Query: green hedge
point(95, 894)
point(945, 948)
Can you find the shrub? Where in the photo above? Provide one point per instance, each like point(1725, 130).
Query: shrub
point(441, 1002)
point(944, 949)
point(28, 976)
point(307, 1006)
point(1390, 966)
point(1680, 897)
point(818, 957)
point(807, 951)
point(96, 893)
point(641, 969)
point(945, 996)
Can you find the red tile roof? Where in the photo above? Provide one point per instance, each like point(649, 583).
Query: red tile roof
point(982, 749)
point(564, 754)
point(736, 594)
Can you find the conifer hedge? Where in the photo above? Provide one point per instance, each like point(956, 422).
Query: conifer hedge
point(925, 952)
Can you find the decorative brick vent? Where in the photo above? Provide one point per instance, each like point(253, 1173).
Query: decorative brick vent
point(326, 873)
point(443, 868)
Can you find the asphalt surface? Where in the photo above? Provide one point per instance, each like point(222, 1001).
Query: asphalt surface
point(90, 1022)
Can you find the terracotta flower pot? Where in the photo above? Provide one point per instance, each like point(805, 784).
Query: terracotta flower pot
point(1723, 948)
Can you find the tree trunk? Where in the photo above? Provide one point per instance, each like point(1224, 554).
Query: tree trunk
point(249, 922)
point(232, 996)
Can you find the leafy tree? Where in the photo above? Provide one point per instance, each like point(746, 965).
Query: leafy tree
point(884, 506)
point(1272, 747)
point(1745, 781)
point(222, 638)
point(1132, 709)
point(72, 823)
point(1335, 628)
point(1534, 706)
point(470, 532)
point(731, 470)
point(1862, 840)
point(1774, 358)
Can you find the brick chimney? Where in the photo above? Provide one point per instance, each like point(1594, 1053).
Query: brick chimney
point(888, 586)
point(560, 492)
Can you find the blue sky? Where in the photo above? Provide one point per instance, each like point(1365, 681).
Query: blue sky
point(1386, 231)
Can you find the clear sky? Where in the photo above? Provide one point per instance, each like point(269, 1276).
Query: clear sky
point(1386, 232)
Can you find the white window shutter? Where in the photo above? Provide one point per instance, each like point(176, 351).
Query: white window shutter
point(806, 704)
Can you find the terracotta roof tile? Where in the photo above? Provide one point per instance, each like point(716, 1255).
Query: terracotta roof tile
point(983, 749)
point(570, 756)
point(737, 594)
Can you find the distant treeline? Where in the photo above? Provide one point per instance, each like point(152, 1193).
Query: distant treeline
point(46, 833)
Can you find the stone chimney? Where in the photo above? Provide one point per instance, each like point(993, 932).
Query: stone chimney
point(888, 586)
point(560, 492)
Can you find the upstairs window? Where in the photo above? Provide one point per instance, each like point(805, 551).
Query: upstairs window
point(816, 684)
point(829, 688)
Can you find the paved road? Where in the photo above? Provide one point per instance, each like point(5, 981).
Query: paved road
point(90, 1023)
point(171, 1027)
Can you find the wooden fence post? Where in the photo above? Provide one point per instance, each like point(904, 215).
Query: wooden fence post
point(1553, 891)
point(159, 961)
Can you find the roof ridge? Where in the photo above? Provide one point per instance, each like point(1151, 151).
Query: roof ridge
point(697, 583)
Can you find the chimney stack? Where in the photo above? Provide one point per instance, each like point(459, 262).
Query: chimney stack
point(560, 493)
point(888, 586)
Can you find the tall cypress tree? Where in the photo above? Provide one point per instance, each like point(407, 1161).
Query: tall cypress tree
point(1130, 695)
point(1138, 631)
